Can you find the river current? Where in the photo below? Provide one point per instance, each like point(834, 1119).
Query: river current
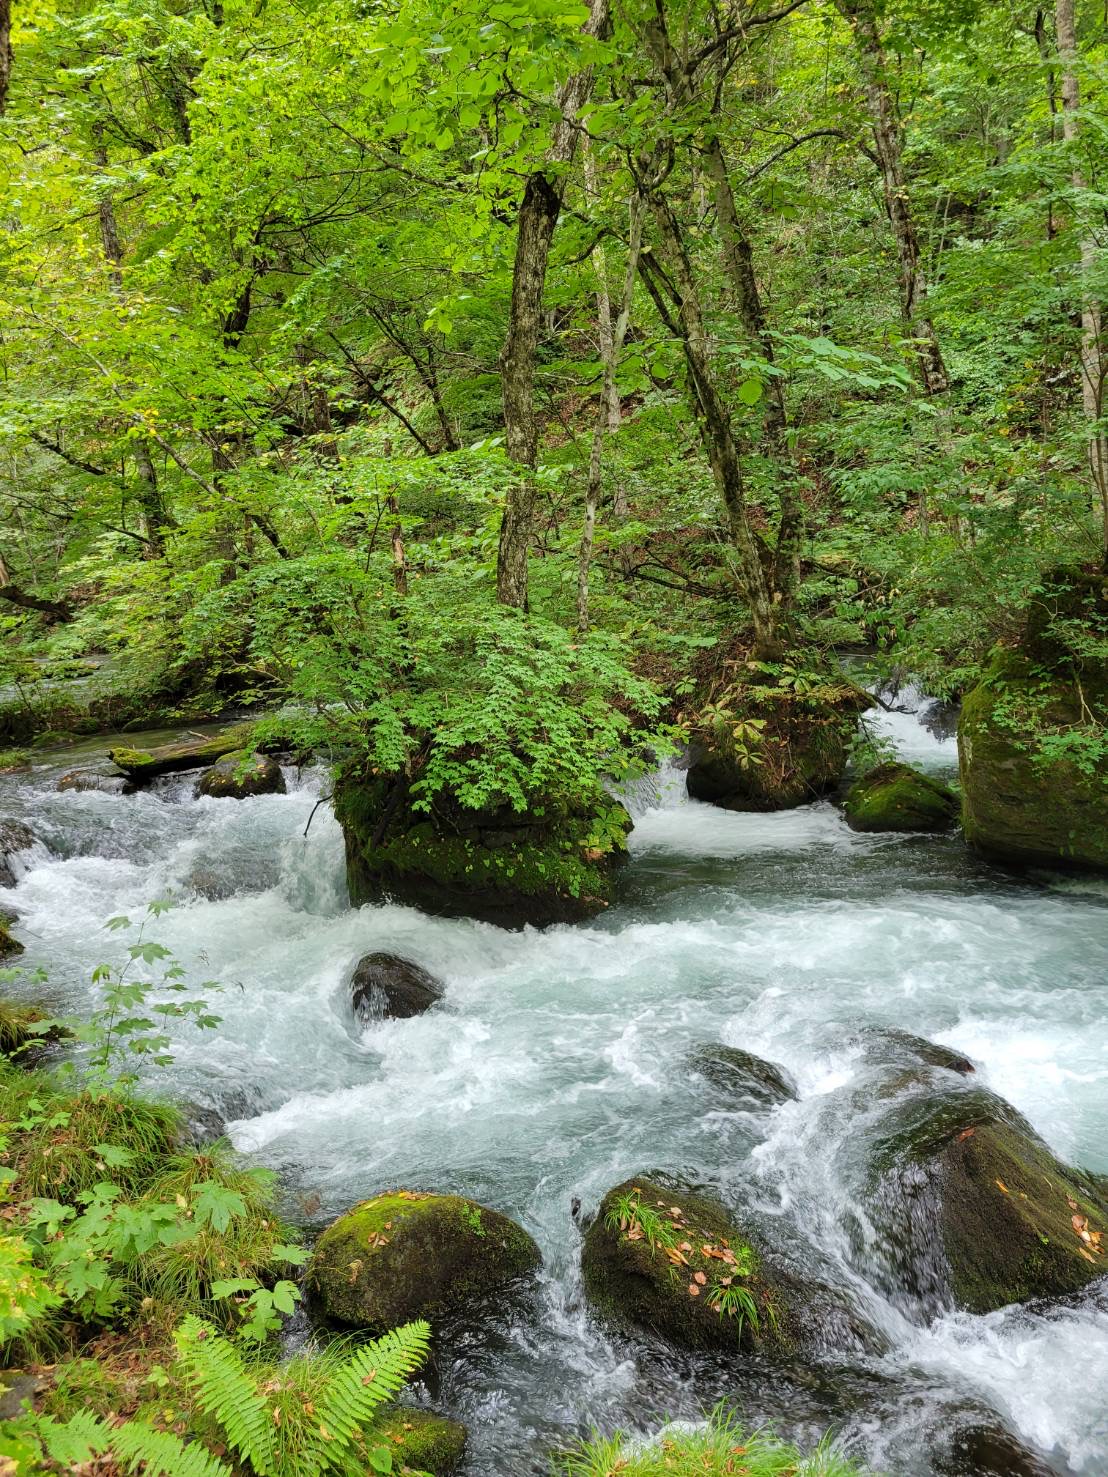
point(558, 1066)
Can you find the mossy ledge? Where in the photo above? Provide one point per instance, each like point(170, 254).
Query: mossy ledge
point(421, 1441)
point(405, 1255)
point(675, 1264)
point(896, 797)
point(550, 864)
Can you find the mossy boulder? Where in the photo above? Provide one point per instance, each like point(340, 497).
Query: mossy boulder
point(388, 987)
point(8, 945)
point(977, 1210)
point(193, 752)
point(240, 775)
point(1031, 739)
point(554, 863)
point(743, 1079)
point(15, 837)
point(896, 797)
point(772, 748)
point(675, 1263)
point(405, 1255)
point(421, 1441)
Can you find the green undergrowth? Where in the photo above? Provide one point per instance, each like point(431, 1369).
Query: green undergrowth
point(719, 1447)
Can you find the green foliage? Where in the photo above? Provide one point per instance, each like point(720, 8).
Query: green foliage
point(135, 1445)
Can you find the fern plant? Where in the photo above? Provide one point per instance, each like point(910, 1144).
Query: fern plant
point(316, 1415)
point(135, 1446)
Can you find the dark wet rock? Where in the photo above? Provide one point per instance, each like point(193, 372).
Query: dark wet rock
point(14, 838)
point(795, 747)
point(896, 797)
point(746, 1080)
point(554, 864)
point(975, 1211)
point(193, 752)
point(889, 1044)
point(1022, 805)
point(385, 986)
point(652, 1243)
point(421, 1441)
point(27, 1032)
point(984, 1450)
point(16, 1388)
point(90, 779)
point(8, 915)
point(405, 1255)
point(940, 718)
point(240, 776)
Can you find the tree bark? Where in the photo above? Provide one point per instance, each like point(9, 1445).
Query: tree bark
point(538, 216)
point(5, 51)
point(888, 138)
point(1094, 359)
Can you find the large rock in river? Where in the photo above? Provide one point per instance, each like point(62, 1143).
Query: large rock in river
point(240, 775)
point(385, 986)
point(1031, 750)
point(744, 1080)
point(977, 1211)
point(404, 1255)
point(676, 1264)
point(896, 797)
point(14, 838)
point(552, 864)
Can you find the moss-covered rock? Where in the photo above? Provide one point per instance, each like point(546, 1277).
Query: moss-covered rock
point(550, 864)
point(979, 1211)
point(240, 775)
point(405, 1255)
point(772, 748)
point(743, 1079)
point(896, 797)
point(675, 1263)
point(8, 945)
point(141, 765)
point(421, 1441)
point(1031, 740)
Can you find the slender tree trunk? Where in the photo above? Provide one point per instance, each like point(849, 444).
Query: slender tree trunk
point(5, 51)
point(889, 142)
point(1094, 358)
point(538, 216)
point(608, 411)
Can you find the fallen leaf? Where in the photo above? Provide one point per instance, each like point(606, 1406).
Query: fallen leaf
point(694, 1291)
point(1079, 1223)
point(1071, 1203)
point(700, 1278)
point(967, 1133)
point(1002, 1186)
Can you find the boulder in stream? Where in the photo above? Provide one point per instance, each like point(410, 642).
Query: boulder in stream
point(388, 987)
point(14, 838)
point(91, 779)
point(192, 752)
point(902, 1048)
point(976, 1209)
point(746, 1080)
point(675, 1263)
point(553, 864)
point(8, 945)
point(405, 1255)
point(896, 797)
point(240, 775)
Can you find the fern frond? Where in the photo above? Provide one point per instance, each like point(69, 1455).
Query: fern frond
point(136, 1445)
point(373, 1375)
point(224, 1390)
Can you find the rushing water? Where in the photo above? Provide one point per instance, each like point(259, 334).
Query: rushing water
point(558, 1067)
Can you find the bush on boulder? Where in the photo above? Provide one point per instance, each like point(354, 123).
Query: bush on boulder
point(403, 1255)
point(675, 1263)
point(241, 775)
point(896, 797)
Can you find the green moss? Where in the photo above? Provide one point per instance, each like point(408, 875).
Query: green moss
point(11, 759)
point(403, 1255)
point(142, 764)
point(651, 1245)
point(896, 797)
point(8, 945)
point(241, 774)
point(422, 1442)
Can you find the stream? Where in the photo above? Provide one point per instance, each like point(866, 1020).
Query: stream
point(557, 1067)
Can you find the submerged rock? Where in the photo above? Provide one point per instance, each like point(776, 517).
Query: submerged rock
point(747, 1080)
point(1023, 803)
point(554, 865)
point(241, 775)
point(676, 1264)
point(976, 1210)
point(984, 1450)
point(404, 1255)
point(385, 986)
point(889, 1043)
point(896, 797)
point(14, 838)
point(141, 765)
point(776, 751)
point(421, 1441)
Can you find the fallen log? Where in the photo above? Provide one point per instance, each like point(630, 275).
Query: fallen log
point(140, 765)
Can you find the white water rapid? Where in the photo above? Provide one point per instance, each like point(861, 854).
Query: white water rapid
point(557, 1067)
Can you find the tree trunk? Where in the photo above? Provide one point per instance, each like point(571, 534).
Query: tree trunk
point(538, 216)
point(1094, 359)
point(608, 413)
point(889, 142)
point(5, 51)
